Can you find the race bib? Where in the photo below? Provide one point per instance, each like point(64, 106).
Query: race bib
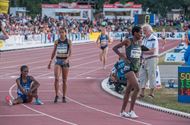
point(126, 68)
point(135, 53)
point(103, 43)
point(62, 49)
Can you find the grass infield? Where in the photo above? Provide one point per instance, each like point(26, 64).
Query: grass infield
point(167, 98)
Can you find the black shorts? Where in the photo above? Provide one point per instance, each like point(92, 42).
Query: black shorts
point(163, 38)
point(130, 67)
point(23, 98)
point(103, 47)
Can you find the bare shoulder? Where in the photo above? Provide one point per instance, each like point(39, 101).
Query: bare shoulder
point(127, 42)
point(70, 42)
point(55, 42)
point(17, 80)
point(32, 78)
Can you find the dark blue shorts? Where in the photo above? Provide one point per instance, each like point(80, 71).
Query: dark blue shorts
point(62, 63)
point(103, 47)
point(23, 97)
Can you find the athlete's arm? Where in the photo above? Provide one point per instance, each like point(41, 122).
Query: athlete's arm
point(98, 41)
point(53, 54)
point(109, 40)
point(70, 48)
point(35, 83)
point(125, 43)
point(20, 87)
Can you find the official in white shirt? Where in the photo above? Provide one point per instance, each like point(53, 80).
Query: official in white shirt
point(149, 61)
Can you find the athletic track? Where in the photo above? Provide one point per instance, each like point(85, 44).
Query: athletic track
point(87, 103)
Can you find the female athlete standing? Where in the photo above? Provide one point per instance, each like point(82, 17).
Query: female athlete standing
point(62, 50)
point(102, 42)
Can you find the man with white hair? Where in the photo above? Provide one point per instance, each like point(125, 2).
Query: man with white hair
point(149, 61)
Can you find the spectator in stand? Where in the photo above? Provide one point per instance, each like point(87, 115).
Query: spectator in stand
point(3, 34)
point(149, 62)
point(62, 51)
point(27, 88)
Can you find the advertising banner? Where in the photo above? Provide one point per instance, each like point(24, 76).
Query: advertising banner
point(184, 84)
point(4, 6)
point(94, 36)
point(1, 44)
point(174, 57)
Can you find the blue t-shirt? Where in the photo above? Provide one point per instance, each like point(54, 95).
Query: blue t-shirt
point(187, 56)
point(120, 67)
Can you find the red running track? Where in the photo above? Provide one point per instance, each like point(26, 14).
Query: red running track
point(87, 103)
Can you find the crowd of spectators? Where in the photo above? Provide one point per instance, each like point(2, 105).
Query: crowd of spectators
point(16, 25)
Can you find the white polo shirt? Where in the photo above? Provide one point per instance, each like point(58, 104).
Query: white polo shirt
point(151, 42)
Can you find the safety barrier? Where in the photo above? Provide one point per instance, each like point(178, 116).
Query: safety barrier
point(38, 40)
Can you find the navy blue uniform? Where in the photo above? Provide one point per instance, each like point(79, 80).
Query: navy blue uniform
point(103, 41)
point(62, 52)
point(26, 86)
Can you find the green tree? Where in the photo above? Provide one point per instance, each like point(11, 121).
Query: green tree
point(160, 7)
point(121, 1)
point(185, 5)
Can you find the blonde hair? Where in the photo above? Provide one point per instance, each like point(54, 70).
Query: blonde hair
point(148, 27)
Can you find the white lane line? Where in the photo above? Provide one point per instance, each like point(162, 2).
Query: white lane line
point(41, 67)
point(13, 76)
point(40, 91)
point(87, 51)
point(108, 113)
point(51, 77)
point(42, 113)
point(84, 106)
point(77, 102)
point(22, 115)
point(20, 51)
point(144, 104)
point(16, 72)
point(94, 70)
point(89, 78)
point(102, 111)
point(82, 64)
point(14, 66)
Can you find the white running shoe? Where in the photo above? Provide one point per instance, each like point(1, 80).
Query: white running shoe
point(132, 114)
point(112, 86)
point(124, 114)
